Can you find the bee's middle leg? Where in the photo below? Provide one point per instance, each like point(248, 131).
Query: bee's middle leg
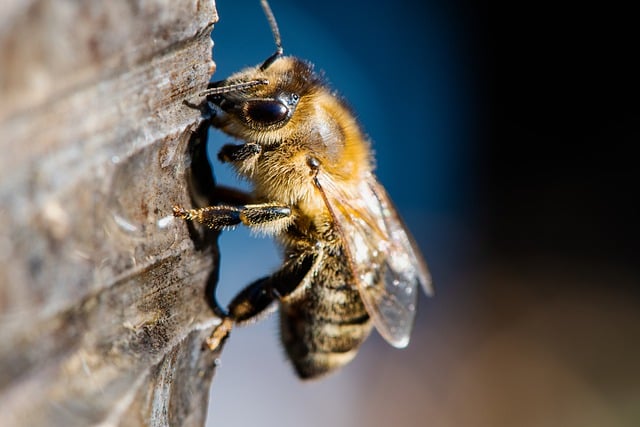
point(267, 217)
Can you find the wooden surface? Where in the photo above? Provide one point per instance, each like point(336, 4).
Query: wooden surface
point(102, 307)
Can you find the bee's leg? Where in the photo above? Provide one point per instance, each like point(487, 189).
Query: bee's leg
point(255, 299)
point(246, 306)
point(238, 153)
point(269, 217)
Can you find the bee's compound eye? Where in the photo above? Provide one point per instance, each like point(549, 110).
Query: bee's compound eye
point(266, 112)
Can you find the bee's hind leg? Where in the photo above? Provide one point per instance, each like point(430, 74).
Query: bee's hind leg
point(252, 302)
point(256, 300)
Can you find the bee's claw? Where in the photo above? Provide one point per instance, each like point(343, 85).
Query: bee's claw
point(179, 212)
point(220, 333)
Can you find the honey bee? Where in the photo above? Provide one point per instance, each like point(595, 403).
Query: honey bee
point(349, 262)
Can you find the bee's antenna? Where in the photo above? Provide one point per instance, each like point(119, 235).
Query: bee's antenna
point(232, 87)
point(276, 35)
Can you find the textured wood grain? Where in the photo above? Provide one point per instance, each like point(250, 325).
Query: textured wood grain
point(102, 307)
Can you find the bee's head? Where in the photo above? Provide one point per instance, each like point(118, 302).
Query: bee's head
point(264, 98)
point(280, 110)
point(261, 98)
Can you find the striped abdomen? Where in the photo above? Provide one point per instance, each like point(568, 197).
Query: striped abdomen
point(324, 321)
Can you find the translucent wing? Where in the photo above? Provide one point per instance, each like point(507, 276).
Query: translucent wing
point(385, 261)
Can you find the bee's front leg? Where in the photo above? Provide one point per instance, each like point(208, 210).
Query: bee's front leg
point(238, 153)
point(269, 218)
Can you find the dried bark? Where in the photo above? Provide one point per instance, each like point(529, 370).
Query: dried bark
point(102, 301)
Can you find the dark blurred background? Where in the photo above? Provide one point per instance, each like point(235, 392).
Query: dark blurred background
point(504, 133)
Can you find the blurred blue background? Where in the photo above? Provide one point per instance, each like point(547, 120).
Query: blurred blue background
point(499, 131)
point(400, 65)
